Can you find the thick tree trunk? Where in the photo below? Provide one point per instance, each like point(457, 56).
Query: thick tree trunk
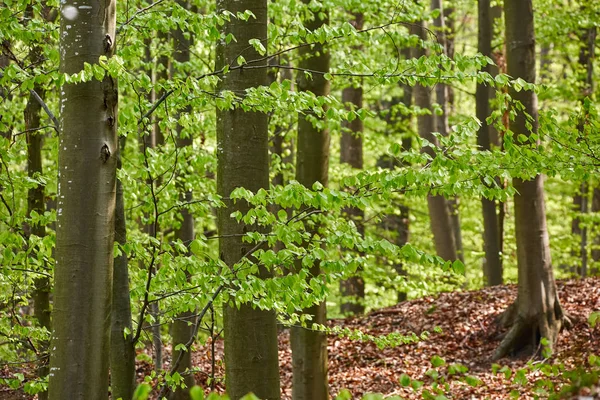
point(309, 348)
point(537, 312)
point(251, 358)
point(86, 201)
point(492, 266)
point(351, 152)
point(439, 215)
point(122, 348)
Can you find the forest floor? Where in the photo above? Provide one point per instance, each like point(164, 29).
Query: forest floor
point(456, 359)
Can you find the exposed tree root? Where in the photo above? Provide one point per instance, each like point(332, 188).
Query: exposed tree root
point(527, 329)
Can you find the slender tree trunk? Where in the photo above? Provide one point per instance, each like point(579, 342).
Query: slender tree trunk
point(251, 359)
point(86, 202)
point(492, 266)
point(351, 152)
point(439, 215)
point(35, 203)
point(445, 98)
point(495, 136)
point(154, 137)
point(183, 326)
point(537, 312)
point(596, 241)
point(309, 348)
point(398, 224)
point(580, 200)
point(122, 348)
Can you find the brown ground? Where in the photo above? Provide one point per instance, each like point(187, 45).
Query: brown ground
point(469, 336)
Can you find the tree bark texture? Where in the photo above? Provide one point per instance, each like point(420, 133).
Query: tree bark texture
point(492, 266)
point(122, 348)
point(251, 357)
point(87, 164)
point(538, 312)
point(35, 203)
point(309, 348)
point(580, 200)
point(183, 325)
point(351, 152)
point(439, 214)
point(398, 224)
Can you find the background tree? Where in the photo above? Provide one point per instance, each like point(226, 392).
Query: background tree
point(351, 153)
point(439, 214)
point(492, 266)
point(309, 347)
point(242, 153)
point(537, 312)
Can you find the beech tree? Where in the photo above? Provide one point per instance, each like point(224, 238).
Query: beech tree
point(211, 242)
point(351, 152)
point(537, 312)
point(309, 347)
point(439, 212)
point(242, 153)
point(492, 266)
point(85, 208)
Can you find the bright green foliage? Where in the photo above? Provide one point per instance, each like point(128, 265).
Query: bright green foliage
point(154, 177)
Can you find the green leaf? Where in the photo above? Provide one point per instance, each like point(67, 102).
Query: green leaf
point(472, 380)
point(458, 267)
point(196, 393)
point(437, 361)
point(405, 380)
point(594, 318)
point(142, 392)
point(344, 394)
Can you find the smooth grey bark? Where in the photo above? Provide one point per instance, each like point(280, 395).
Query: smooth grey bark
point(122, 347)
point(537, 311)
point(87, 164)
point(352, 289)
point(439, 215)
point(309, 348)
point(251, 355)
point(492, 266)
point(183, 326)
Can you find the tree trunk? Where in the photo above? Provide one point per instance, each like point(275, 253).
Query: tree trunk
point(492, 266)
point(122, 348)
point(398, 224)
point(35, 203)
point(596, 242)
point(580, 200)
point(251, 357)
point(440, 218)
point(86, 201)
point(352, 289)
point(183, 326)
point(537, 312)
point(309, 348)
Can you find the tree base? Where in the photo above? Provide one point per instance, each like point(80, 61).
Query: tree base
point(526, 331)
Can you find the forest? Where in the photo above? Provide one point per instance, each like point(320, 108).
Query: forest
point(299, 199)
